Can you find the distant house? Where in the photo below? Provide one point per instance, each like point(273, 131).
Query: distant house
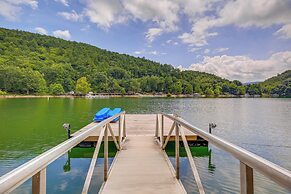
point(274, 95)
point(197, 95)
point(247, 96)
point(71, 93)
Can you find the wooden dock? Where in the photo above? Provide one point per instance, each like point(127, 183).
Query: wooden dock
point(142, 167)
point(139, 125)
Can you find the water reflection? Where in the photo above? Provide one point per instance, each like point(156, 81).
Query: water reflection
point(211, 166)
point(67, 166)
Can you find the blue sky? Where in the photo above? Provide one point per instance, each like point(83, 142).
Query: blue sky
point(244, 39)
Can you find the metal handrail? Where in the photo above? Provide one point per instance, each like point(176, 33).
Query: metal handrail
point(16, 177)
point(276, 173)
point(179, 132)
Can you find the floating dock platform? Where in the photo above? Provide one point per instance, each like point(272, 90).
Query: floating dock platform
point(143, 125)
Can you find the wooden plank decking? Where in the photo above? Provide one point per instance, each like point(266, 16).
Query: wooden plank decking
point(139, 125)
point(142, 167)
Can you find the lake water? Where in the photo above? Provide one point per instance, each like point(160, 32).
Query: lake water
point(29, 127)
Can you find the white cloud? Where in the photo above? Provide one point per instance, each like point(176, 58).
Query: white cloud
point(137, 52)
point(143, 52)
point(260, 13)
point(196, 38)
point(220, 50)
point(195, 8)
point(72, 16)
point(206, 51)
point(172, 42)
point(244, 68)
point(163, 13)
point(64, 34)
point(205, 16)
point(284, 32)
point(104, 13)
point(85, 28)
point(248, 13)
point(11, 9)
point(40, 30)
point(169, 41)
point(153, 33)
point(64, 2)
point(194, 49)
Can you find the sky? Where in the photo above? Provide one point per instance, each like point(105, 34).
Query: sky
point(246, 40)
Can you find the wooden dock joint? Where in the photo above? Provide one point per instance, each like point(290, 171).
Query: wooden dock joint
point(246, 179)
point(39, 182)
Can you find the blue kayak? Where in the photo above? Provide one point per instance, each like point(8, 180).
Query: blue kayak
point(101, 115)
point(114, 112)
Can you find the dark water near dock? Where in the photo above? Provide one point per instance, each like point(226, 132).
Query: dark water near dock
point(29, 127)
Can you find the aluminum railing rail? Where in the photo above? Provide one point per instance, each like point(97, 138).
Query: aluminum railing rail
point(248, 160)
point(36, 167)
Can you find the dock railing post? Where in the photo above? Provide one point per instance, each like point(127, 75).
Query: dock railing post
point(106, 153)
point(157, 126)
point(124, 129)
point(119, 132)
point(39, 182)
point(177, 152)
point(162, 130)
point(246, 179)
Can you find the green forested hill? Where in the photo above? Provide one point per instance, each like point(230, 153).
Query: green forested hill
point(38, 64)
point(31, 63)
point(280, 84)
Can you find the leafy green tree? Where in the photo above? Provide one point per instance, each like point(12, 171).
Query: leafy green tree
point(237, 83)
point(177, 88)
point(167, 84)
point(197, 89)
point(241, 90)
point(254, 89)
point(56, 89)
point(118, 73)
point(99, 82)
point(233, 89)
point(22, 80)
point(2, 92)
point(217, 90)
point(132, 86)
point(209, 92)
point(187, 88)
point(82, 86)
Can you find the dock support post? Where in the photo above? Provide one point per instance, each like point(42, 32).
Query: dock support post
point(177, 151)
point(106, 153)
point(39, 182)
point(246, 179)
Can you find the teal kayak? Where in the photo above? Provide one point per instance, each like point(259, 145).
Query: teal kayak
point(101, 115)
point(114, 112)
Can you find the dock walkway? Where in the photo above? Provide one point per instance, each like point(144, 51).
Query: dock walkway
point(141, 167)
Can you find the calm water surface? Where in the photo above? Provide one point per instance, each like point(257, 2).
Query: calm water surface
point(29, 127)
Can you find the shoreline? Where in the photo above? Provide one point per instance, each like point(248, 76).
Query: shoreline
point(128, 96)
